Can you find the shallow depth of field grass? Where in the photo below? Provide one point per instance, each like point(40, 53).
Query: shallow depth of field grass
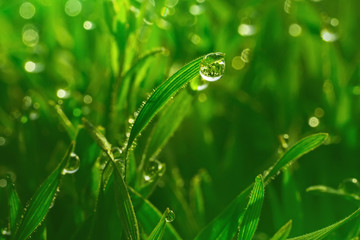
point(107, 130)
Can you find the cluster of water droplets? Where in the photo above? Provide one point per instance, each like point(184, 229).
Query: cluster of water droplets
point(72, 165)
point(153, 170)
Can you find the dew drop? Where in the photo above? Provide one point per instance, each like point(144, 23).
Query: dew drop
point(199, 84)
point(328, 36)
point(88, 25)
point(72, 165)
point(73, 8)
point(5, 231)
point(2, 141)
point(88, 99)
point(212, 66)
point(153, 170)
point(313, 122)
point(33, 115)
point(284, 141)
point(295, 30)
point(3, 183)
point(30, 35)
point(246, 30)
point(350, 186)
point(27, 10)
point(170, 216)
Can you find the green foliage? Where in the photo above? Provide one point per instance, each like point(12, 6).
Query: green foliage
point(154, 127)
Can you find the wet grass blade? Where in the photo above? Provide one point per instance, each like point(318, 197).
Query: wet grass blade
point(168, 122)
point(252, 214)
point(283, 232)
point(40, 203)
point(322, 233)
point(225, 225)
point(149, 216)
point(333, 191)
point(69, 127)
point(98, 137)
point(158, 232)
point(15, 205)
point(125, 207)
point(302, 147)
point(161, 96)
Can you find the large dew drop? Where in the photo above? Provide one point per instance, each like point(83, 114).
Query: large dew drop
point(212, 66)
point(153, 170)
point(170, 216)
point(72, 165)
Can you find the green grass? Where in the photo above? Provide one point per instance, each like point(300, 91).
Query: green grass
point(118, 84)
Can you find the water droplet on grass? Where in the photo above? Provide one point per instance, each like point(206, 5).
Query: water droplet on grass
point(72, 165)
point(30, 35)
point(350, 186)
point(170, 216)
point(3, 183)
point(5, 231)
point(212, 66)
point(27, 10)
point(284, 141)
point(328, 36)
point(246, 30)
point(295, 30)
point(313, 122)
point(2, 141)
point(73, 8)
point(153, 170)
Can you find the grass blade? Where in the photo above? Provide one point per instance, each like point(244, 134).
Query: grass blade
point(158, 232)
point(283, 232)
point(161, 96)
point(69, 127)
point(168, 123)
point(322, 233)
point(252, 214)
point(125, 207)
point(149, 216)
point(14, 204)
point(40, 203)
point(302, 147)
point(98, 137)
point(333, 191)
point(225, 225)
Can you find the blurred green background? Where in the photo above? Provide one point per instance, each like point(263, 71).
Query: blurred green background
point(292, 69)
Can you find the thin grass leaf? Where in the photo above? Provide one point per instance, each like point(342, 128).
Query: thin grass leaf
point(98, 137)
point(225, 225)
point(283, 232)
point(252, 214)
point(40, 203)
point(69, 127)
point(168, 122)
point(148, 216)
point(158, 232)
point(333, 191)
point(15, 205)
point(161, 96)
point(302, 147)
point(322, 233)
point(125, 207)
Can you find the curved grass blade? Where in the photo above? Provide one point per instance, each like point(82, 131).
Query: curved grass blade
point(69, 127)
point(40, 203)
point(149, 216)
point(322, 233)
point(225, 225)
point(302, 147)
point(158, 232)
point(161, 96)
point(333, 191)
point(167, 124)
point(15, 205)
point(98, 137)
point(283, 232)
point(125, 207)
point(252, 214)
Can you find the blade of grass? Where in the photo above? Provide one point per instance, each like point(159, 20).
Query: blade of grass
point(40, 203)
point(69, 127)
point(98, 137)
point(158, 232)
point(149, 216)
point(125, 207)
point(322, 233)
point(15, 205)
point(283, 232)
point(161, 96)
point(332, 191)
point(302, 147)
point(225, 224)
point(168, 122)
point(252, 214)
